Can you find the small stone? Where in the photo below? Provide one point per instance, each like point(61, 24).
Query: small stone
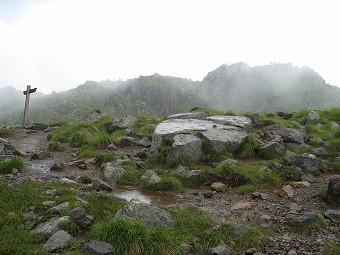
point(286, 192)
point(82, 166)
point(98, 248)
point(15, 171)
point(221, 249)
point(57, 209)
point(49, 203)
point(295, 207)
point(81, 218)
point(333, 215)
point(219, 186)
point(145, 142)
point(75, 163)
point(250, 251)
point(58, 166)
point(243, 206)
point(101, 185)
point(292, 252)
point(303, 184)
point(29, 217)
point(67, 181)
point(308, 178)
point(19, 152)
point(91, 161)
point(209, 194)
point(111, 146)
point(256, 195)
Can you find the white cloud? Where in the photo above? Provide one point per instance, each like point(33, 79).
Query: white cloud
point(62, 43)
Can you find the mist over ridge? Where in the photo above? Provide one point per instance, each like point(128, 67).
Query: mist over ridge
point(237, 87)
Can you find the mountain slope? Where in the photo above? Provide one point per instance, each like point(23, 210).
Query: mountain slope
point(159, 95)
point(276, 87)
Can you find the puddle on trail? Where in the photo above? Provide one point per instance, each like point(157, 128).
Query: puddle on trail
point(148, 196)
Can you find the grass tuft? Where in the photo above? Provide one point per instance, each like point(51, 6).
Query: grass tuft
point(7, 165)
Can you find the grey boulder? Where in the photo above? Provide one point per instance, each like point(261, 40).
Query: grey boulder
point(151, 215)
point(237, 121)
point(224, 140)
point(122, 123)
point(307, 162)
point(271, 150)
point(221, 249)
point(52, 226)
point(98, 248)
point(185, 145)
point(57, 241)
point(112, 171)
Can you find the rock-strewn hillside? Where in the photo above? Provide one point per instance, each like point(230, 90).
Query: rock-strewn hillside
point(258, 184)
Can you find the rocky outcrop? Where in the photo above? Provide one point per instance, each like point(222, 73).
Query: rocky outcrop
point(92, 116)
point(224, 140)
point(307, 162)
point(333, 191)
point(151, 177)
point(289, 135)
point(185, 145)
point(112, 171)
point(271, 150)
point(122, 123)
point(237, 121)
point(198, 115)
point(98, 184)
point(151, 215)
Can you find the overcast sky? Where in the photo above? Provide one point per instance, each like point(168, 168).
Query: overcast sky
point(59, 44)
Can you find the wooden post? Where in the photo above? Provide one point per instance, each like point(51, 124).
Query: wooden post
point(27, 102)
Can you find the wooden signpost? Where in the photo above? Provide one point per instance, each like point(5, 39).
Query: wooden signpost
point(27, 102)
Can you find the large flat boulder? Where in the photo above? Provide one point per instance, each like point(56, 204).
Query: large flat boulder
point(185, 145)
point(52, 226)
point(199, 115)
point(224, 140)
point(238, 121)
point(122, 123)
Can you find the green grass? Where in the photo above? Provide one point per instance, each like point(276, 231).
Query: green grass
point(145, 125)
point(248, 148)
point(315, 225)
point(241, 174)
point(321, 192)
point(132, 176)
point(167, 184)
point(245, 189)
point(7, 165)
point(331, 248)
point(4, 132)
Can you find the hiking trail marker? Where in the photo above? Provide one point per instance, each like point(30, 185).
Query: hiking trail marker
point(27, 102)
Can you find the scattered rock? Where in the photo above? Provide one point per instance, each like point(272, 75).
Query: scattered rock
point(302, 184)
point(312, 116)
point(67, 181)
point(51, 226)
point(57, 209)
point(58, 166)
point(36, 126)
point(221, 249)
point(333, 215)
point(209, 194)
point(198, 115)
point(98, 184)
point(112, 171)
point(224, 140)
point(185, 145)
point(151, 215)
point(271, 150)
point(286, 192)
point(40, 155)
point(145, 142)
point(308, 178)
point(259, 123)
point(306, 218)
point(333, 191)
point(320, 152)
point(58, 240)
point(307, 162)
point(130, 132)
point(81, 218)
point(29, 217)
point(92, 116)
point(6, 147)
point(82, 166)
point(237, 121)
point(335, 125)
point(111, 146)
point(49, 203)
point(98, 248)
point(19, 152)
point(219, 186)
point(75, 163)
point(289, 135)
point(243, 206)
point(256, 195)
point(250, 251)
point(122, 123)
point(151, 177)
